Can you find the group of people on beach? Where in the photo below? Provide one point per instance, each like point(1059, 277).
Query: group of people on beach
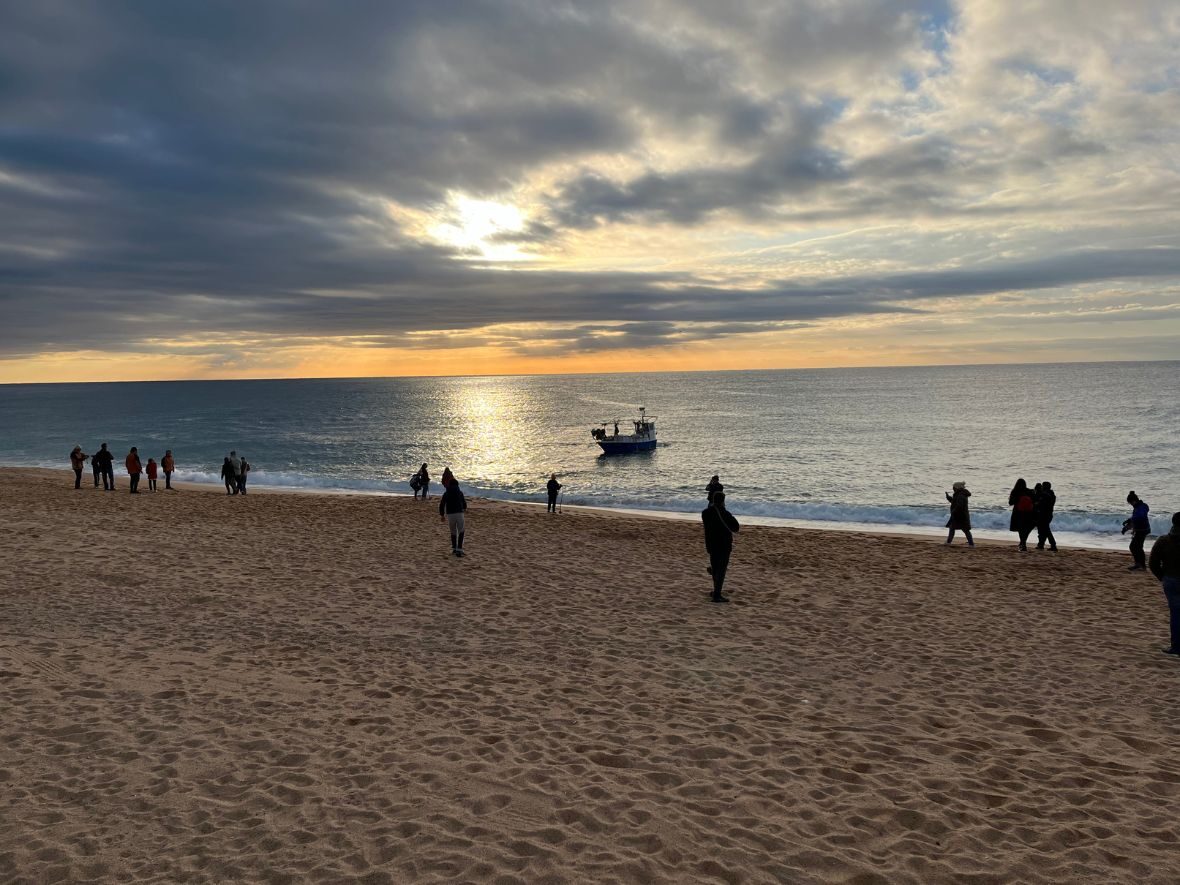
point(234, 471)
point(103, 465)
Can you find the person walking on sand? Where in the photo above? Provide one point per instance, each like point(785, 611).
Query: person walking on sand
point(152, 471)
point(242, 472)
point(1044, 502)
point(134, 469)
point(96, 467)
point(168, 465)
point(1165, 565)
point(1023, 520)
point(1140, 527)
point(106, 462)
point(451, 509)
point(78, 460)
point(960, 514)
point(714, 487)
point(720, 527)
point(423, 482)
point(227, 476)
point(552, 487)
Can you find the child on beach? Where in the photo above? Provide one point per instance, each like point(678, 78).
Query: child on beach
point(152, 469)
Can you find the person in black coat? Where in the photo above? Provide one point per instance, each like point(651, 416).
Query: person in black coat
point(452, 507)
point(1023, 505)
point(1043, 505)
point(713, 488)
point(720, 527)
point(552, 487)
point(960, 519)
point(106, 461)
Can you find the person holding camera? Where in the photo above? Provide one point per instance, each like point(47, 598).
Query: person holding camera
point(720, 527)
point(1140, 527)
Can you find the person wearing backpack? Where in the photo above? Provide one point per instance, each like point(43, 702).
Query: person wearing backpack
point(720, 527)
point(1140, 527)
point(1023, 520)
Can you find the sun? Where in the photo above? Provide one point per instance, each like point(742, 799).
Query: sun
point(471, 225)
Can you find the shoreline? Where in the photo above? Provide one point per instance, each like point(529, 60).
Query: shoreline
point(1066, 539)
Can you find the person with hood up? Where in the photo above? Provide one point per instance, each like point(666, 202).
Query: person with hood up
point(446, 477)
point(451, 509)
point(720, 527)
point(134, 469)
point(1140, 527)
point(960, 515)
point(152, 473)
point(1043, 503)
point(168, 465)
point(1023, 520)
point(78, 460)
point(552, 488)
point(713, 488)
point(1165, 565)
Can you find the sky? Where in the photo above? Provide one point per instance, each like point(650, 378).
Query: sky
point(374, 187)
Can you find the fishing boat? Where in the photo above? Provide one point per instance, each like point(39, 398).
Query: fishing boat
point(641, 439)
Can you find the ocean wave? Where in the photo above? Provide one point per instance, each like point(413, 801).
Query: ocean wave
point(931, 516)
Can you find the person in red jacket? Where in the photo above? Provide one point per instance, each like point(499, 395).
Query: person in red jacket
point(134, 469)
point(152, 471)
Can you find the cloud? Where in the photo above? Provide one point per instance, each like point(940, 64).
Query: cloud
point(174, 176)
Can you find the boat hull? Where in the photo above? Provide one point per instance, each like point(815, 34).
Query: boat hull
point(626, 447)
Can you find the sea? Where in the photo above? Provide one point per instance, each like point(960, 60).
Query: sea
point(849, 449)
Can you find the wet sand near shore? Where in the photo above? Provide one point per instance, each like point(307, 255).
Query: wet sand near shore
point(308, 687)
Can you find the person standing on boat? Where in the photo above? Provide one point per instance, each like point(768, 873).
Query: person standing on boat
point(720, 527)
point(714, 487)
point(552, 487)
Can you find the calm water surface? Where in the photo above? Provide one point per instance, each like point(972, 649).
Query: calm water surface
point(840, 447)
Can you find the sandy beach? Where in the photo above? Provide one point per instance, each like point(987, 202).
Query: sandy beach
point(293, 687)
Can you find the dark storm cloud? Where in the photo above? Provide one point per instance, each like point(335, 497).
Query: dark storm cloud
point(177, 172)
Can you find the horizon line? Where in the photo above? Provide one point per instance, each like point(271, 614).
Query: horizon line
point(591, 374)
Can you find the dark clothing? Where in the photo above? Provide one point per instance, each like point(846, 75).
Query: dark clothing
point(713, 488)
point(97, 471)
point(1137, 554)
point(108, 478)
point(452, 500)
point(1172, 594)
point(1139, 521)
point(78, 478)
point(104, 462)
point(167, 479)
point(960, 515)
point(718, 565)
point(1043, 509)
point(1165, 556)
point(1023, 519)
point(720, 527)
point(134, 483)
point(227, 474)
point(552, 487)
point(152, 483)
